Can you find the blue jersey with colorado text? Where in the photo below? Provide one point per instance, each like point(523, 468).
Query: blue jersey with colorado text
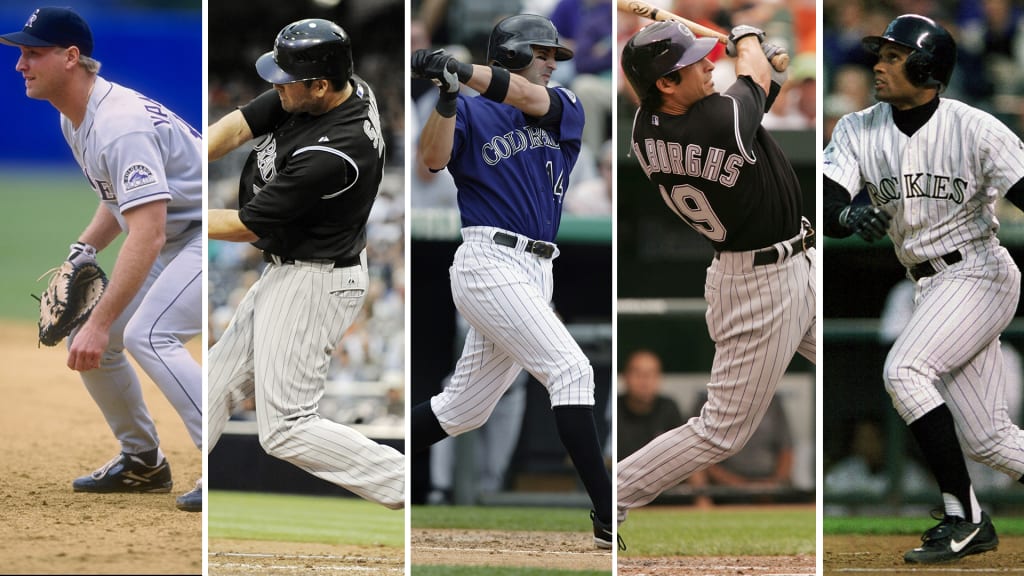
point(511, 169)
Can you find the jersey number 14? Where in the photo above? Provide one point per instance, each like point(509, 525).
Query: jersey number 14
point(690, 204)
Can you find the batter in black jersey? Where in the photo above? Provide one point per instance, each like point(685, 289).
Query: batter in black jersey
point(305, 195)
point(720, 171)
point(724, 175)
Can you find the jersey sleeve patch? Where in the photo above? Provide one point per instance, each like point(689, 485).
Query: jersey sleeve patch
point(136, 176)
point(568, 93)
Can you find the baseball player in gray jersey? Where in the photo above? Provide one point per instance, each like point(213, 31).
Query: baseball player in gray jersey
point(304, 198)
point(145, 164)
point(933, 169)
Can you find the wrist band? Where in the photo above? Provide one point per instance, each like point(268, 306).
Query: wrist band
point(498, 88)
point(447, 103)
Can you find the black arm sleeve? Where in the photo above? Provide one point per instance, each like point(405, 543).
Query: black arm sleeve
point(773, 92)
point(835, 198)
point(1016, 194)
point(264, 112)
point(553, 118)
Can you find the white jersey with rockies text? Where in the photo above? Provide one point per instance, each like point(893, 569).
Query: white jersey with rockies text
point(134, 150)
point(939, 185)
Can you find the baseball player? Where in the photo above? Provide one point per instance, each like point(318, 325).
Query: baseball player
point(933, 168)
point(145, 164)
point(510, 152)
point(305, 194)
point(724, 175)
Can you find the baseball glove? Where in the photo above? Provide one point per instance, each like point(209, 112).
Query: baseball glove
point(69, 299)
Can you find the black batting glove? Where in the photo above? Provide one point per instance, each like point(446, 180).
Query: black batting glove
point(740, 32)
point(429, 64)
point(869, 222)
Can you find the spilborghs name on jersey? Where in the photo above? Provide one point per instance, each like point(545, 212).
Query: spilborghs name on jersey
point(713, 164)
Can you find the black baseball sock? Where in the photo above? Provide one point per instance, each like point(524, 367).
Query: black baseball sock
point(425, 430)
point(936, 437)
point(149, 457)
point(578, 432)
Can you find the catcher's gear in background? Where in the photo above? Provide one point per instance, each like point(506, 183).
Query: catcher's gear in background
point(510, 43)
point(658, 49)
point(869, 222)
point(934, 51)
point(73, 292)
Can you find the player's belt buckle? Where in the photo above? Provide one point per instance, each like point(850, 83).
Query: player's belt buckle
point(540, 248)
point(807, 238)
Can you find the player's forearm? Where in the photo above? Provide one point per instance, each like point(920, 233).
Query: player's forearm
point(102, 229)
point(226, 134)
point(146, 237)
point(834, 200)
point(436, 141)
point(223, 224)
point(751, 62)
point(532, 99)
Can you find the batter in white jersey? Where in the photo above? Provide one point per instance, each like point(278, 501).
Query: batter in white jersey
point(145, 164)
point(932, 169)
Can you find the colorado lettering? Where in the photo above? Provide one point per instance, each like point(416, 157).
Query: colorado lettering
point(672, 158)
point(514, 142)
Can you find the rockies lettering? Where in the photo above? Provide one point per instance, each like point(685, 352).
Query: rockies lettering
point(919, 185)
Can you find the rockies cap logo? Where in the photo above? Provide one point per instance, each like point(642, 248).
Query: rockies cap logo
point(32, 19)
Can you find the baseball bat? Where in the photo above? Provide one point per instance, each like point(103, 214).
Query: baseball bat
point(780, 62)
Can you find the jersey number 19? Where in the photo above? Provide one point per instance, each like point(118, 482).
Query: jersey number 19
point(690, 204)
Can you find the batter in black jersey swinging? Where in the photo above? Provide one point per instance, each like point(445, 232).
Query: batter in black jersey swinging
point(723, 174)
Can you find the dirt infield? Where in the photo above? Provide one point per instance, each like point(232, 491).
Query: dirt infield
point(247, 557)
point(554, 550)
point(53, 432)
point(864, 554)
point(700, 565)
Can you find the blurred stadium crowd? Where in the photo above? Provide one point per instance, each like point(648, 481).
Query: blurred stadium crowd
point(990, 53)
point(788, 23)
point(366, 381)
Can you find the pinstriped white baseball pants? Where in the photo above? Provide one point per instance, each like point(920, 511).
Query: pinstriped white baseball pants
point(758, 317)
point(278, 347)
point(504, 294)
point(949, 353)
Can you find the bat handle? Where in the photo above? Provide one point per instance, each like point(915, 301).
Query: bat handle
point(780, 62)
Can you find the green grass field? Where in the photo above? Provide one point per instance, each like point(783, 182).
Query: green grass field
point(45, 210)
point(287, 518)
point(767, 531)
point(500, 518)
point(1005, 525)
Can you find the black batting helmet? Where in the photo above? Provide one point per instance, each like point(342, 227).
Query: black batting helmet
point(512, 38)
point(658, 49)
point(308, 50)
point(934, 51)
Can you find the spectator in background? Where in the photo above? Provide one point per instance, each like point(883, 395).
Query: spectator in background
point(991, 43)
point(643, 413)
point(765, 463)
point(593, 197)
point(864, 469)
point(586, 26)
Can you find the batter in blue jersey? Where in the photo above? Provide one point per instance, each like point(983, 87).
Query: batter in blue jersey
point(510, 151)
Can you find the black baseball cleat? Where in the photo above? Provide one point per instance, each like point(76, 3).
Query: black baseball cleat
point(127, 473)
point(603, 534)
point(952, 539)
point(191, 501)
